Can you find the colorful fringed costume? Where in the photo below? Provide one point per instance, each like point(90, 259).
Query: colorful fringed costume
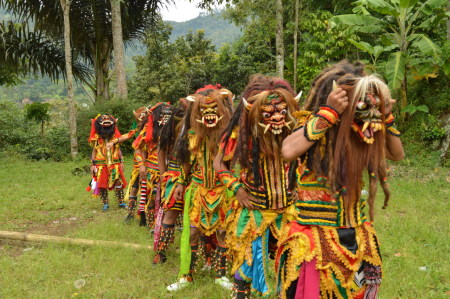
point(141, 116)
point(106, 163)
point(146, 146)
point(330, 250)
point(171, 170)
point(253, 141)
point(205, 199)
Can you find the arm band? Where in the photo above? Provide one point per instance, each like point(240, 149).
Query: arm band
point(391, 128)
point(316, 127)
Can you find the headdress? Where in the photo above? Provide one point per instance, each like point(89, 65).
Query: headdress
point(102, 120)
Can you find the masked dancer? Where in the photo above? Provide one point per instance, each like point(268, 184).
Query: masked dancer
point(331, 250)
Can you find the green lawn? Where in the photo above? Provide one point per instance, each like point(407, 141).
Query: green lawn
point(46, 198)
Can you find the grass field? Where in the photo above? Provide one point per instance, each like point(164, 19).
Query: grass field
point(47, 198)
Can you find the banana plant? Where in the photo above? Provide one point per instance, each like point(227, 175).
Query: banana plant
point(398, 25)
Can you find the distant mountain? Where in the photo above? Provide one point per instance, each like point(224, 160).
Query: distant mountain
point(219, 30)
point(216, 28)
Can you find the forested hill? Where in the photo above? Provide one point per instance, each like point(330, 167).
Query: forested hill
point(216, 28)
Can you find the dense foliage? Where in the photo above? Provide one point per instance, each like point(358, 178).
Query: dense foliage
point(328, 31)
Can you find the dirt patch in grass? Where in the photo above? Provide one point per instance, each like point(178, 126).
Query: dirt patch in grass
point(61, 227)
point(58, 227)
point(15, 248)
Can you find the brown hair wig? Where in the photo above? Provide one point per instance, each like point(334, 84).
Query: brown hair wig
point(252, 140)
point(190, 121)
point(345, 156)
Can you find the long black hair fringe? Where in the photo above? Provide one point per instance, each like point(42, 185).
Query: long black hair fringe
point(255, 165)
point(182, 153)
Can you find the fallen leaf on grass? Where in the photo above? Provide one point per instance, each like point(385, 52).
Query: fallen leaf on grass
point(397, 254)
point(79, 283)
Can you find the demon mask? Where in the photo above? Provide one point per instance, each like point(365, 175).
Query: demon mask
point(209, 112)
point(367, 118)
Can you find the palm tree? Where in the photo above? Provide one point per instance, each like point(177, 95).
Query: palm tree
point(65, 5)
point(119, 56)
point(24, 52)
point(91, 30)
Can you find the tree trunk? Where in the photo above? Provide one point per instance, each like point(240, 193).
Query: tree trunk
point(448, 21)
point(403, 98)
point(102, 55)
point(279, 39)
point(65, 4)
point(295, 44)
point(119, 56)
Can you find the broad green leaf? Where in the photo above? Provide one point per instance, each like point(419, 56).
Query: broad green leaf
point(430, 5)
point(411, 109)
point(366, 24)
point(389, 39)
point(395, 69)
point(377, 50)
point(423, 108)
point(446, 68)
point(383, 7)
point(427, 23)
point(407, 3)
point(426, 46)
point(366, 47)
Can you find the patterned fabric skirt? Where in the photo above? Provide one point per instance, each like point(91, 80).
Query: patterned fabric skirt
point(208, 207)
point(168, 186)
point(329, 262)
point(107, 176)
point(251, 236)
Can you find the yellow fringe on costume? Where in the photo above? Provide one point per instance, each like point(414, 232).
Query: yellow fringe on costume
point(239, 246)
point(332, 258)
point(134, 177)
point(208, 208)
point(152, 182)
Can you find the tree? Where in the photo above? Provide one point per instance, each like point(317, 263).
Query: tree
point(194, 55)
point(319, 44)
point(38, 112)
point(258, 23)
point(155, 75)
point(279, 38)
point(24, 52)
point(403, 26)
point(119, 56)
point(234, 65)
point(65, 5)
point(91, 29)
point(295, 53)
point(169, 71)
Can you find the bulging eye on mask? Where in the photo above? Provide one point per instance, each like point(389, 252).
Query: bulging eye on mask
point(274, 115)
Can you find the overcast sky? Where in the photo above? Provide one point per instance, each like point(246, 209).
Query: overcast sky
point(183, 10)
